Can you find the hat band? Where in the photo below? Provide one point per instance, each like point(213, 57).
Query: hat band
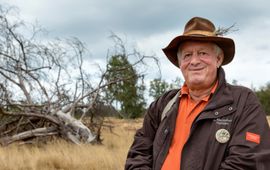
point(200, 32)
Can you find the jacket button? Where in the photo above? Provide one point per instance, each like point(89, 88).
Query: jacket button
point(216, 113)
point(166, 131)
point(230, 108)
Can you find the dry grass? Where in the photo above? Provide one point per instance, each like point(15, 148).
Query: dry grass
point(65, 156)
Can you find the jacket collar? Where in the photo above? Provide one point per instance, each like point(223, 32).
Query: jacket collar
point(223, 95)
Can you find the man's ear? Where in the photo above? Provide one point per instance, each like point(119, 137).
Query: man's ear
point(220, 59)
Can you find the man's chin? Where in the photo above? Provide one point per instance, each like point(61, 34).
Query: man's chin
point(196, 83)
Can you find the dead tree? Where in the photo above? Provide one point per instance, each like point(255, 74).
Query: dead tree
point(37, 97)
point(43, 85)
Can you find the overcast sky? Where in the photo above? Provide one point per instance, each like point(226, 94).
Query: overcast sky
point(149, 25)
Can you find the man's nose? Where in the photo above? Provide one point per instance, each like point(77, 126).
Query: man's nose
point(195, 59)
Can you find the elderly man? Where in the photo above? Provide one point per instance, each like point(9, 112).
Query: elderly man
point(208, 124)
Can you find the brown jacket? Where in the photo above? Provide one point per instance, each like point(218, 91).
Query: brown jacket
point(233, 108)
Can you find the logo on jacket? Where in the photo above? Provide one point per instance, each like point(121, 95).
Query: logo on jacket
point(222, 135)
point(253, 137)
point(223, 121)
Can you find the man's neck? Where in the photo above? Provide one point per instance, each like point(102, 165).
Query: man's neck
point(198, 94)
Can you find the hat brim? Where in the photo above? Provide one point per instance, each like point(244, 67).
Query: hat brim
point(226, 44)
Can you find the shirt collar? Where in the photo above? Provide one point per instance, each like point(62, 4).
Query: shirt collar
point(185, 91)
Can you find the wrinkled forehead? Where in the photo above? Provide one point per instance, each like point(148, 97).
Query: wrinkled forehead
point(195, 45)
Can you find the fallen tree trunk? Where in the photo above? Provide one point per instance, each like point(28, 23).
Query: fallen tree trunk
point(74, 129)
point(45, 131)
point(34, 125)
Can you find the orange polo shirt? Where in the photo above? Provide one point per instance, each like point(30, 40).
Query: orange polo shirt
point(187, 112)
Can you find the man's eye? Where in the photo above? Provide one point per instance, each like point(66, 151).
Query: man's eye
point(187, 56)
point(202, 53)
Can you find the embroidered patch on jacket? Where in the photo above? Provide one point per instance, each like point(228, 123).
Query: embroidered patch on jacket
point(253, 137)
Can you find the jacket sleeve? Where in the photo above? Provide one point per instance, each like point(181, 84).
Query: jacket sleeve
point(249, 147)
point(140, 154)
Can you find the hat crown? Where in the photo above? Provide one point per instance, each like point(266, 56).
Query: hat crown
point(199, 24)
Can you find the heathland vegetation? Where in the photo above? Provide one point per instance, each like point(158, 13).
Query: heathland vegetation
point(60, 154)
point(110, 155)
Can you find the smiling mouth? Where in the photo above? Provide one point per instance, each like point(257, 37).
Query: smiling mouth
point(196, 69)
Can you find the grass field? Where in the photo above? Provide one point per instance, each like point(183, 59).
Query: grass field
point(64, 156)
point(61, 155)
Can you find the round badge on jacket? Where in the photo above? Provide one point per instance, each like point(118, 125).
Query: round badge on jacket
point(222, 135)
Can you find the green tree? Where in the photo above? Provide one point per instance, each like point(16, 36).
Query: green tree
point(264, 97)
point(159, 86)
point(126, 91)
point(176, 84)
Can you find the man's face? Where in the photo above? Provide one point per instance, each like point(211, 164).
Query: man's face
point(198, 62)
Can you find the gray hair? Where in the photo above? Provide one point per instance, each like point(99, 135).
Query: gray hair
point(218, 50)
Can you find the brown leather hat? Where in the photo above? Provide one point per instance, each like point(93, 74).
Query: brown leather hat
point(200, 29)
